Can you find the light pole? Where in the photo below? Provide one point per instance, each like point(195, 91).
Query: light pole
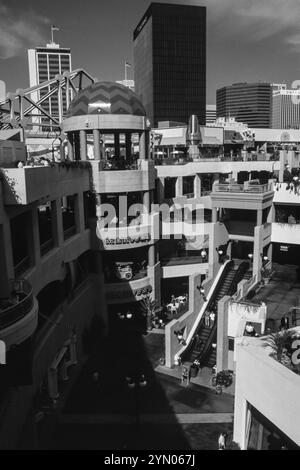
point(134, 383)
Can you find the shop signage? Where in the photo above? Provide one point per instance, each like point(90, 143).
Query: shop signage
point(128, 240)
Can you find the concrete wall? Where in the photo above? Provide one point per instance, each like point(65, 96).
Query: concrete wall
point(77, 313)
point(11, 152)
point(114, 181)
point(267, 385)
point(28, 184)
point(286, 233)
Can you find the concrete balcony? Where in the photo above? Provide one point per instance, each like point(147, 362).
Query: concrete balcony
point(285, 233)
point(129, 291)
point(215, 166)
point(28, 184)
point(18, 316)
point(285, 194)
point(140, 178)
point(242, 196)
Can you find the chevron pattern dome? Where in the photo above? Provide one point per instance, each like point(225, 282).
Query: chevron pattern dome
point(106, 98)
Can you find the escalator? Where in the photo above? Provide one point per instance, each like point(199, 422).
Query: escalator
point(200, 348)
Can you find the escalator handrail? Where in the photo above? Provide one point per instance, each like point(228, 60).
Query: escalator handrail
point(240, 272)
point(229, 265)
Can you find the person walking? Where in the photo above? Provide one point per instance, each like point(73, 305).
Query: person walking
point(212, 317)
point(222, 441)
point(207, 318)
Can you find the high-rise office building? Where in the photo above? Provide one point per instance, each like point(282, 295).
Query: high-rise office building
point(286, 109)
point(170, 62)
point(250, 103)
point(211, 113)
point(44, 64)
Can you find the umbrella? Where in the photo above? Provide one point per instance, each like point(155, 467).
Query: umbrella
point(160, 152)
point(177, 152)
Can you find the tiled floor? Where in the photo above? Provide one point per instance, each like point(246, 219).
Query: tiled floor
point(162, 415)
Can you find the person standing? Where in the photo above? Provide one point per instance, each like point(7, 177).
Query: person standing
point(207, 318)
point(222, 441)
point(212, 317)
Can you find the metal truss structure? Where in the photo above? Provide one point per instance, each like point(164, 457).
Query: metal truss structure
point(24, 109)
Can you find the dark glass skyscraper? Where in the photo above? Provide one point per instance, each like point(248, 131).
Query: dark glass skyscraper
point(250, 103)
point(170, 62)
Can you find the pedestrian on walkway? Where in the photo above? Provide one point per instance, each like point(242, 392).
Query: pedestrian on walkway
point(207, 319)
point(222, 441)
point(212, 317)
point(96, 379)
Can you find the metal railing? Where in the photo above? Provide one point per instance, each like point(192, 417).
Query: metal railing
point(70, 232)
point(118, 165)
point(13, 313)
point(242, 188)
point(22, 266)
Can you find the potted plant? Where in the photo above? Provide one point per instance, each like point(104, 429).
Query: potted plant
point(150, 308)
point(266, 274)
point(279, 343)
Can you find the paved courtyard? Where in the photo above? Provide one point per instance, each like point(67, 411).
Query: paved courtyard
point(161, 415)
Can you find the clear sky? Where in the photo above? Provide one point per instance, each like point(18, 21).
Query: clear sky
point(247, 40)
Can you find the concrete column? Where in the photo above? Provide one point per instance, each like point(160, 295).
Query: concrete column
point(79, 213)
point(282, 162)
point(197, 185)
point(117, 144)
point(179, 186)
point(151, 256)
point(70, 146)
point(8, 247)
point(57, 222)
point(161, 190)
point(128, 145)
point(214, 215)
point(142, 146)
point(222, 334)
point(234, 175)
point(270, 252)
point(229, 250)
point(216, 178)
point(257, 250)
point(100, 290)
point(146, 201)
point(213, 256)
point(35, 237)
point(96, 135)
point(259, 217)
point(4, 276)
point(83, 148)
point(52, 383)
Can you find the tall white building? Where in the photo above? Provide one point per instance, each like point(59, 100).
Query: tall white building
point(44, 64)
point(285, 108)
point(211, 113)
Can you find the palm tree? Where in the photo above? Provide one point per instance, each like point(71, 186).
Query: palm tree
point(278, 342)
point(150, 308)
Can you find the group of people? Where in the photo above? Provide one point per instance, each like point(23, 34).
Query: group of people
point(209, 318)
point(32, 162)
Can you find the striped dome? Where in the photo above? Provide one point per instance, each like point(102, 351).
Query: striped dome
point(106, 98)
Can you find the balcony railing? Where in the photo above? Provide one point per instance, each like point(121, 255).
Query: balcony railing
point(46, 246)
point(69, 232)
point(117, 165)
point(183, 260)
point(242, 188)
point(22, 266)
point(18, 306)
